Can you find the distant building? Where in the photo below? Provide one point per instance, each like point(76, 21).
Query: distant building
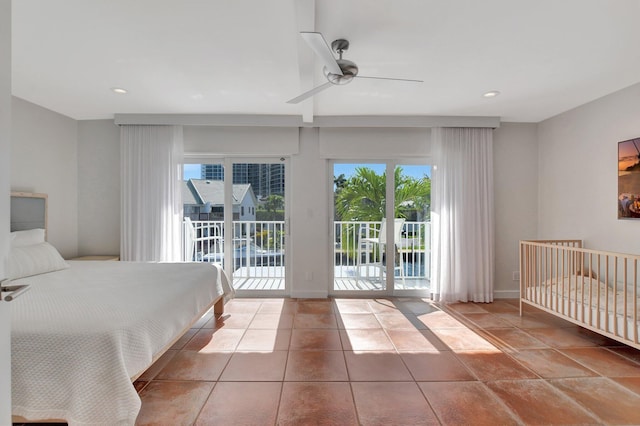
point(265, 179)
point(204, 200)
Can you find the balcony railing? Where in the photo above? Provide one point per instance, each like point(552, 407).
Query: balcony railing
point(259, 247)
point(353, 249)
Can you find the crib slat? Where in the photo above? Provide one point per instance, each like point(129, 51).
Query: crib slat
point(624, 298)
point(635, 299)
point(615, 295)
point(606, 298)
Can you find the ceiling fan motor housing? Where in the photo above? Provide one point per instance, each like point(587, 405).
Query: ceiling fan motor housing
point(349, 70)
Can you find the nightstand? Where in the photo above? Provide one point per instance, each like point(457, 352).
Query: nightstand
point(107, 257)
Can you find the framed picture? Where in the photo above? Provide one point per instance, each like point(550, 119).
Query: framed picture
point(629, 179)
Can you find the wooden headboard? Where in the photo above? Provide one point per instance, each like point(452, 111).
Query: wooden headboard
point(28, 211)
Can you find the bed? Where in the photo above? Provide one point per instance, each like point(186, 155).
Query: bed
point(85, 330)
point(595, 289)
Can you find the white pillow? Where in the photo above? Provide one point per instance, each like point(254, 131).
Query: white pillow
point(33, 260)
point(27, 238)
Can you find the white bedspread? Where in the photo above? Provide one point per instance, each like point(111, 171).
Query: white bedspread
point(80, 334)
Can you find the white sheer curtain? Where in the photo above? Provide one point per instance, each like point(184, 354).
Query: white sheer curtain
point(462, 215)
point(151, 205)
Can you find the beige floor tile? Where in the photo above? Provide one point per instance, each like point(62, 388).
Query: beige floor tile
point(413, 340)
point(271, 321)
point(316, 366)
point(485, 320)
point(215, 340)
point(230, 320)
point(631, 383)
point(481, 406)
point(376, 366)
point(604, 362)
point(315, 306)
point(246, 403)
point(549, 363)
point(316, 403)
point(315, 321)
point(494, 366)
point(358, 321)
point(392, 403)
point(352, 306)
point(439, 319)
point(255, 367)
point(537, 402)
point(400, 321)
point(560, 337)
point(366, 340)
point(384, 306)
point(172, 403)
point(436, 366)
point(463, 339)
point(611, 402)
point(192, 365)
point(315, 340)
point(265, 340)
point(514, 339)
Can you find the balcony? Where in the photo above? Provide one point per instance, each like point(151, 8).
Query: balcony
point(259, 254)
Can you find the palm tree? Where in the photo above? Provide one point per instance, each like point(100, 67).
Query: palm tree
point(363, 197)
point(339, 182)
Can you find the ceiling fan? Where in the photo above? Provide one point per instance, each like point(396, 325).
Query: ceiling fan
point(337, 71)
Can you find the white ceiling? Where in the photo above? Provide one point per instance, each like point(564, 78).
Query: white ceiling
point(246, 56)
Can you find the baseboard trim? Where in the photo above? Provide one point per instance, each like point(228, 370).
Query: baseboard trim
point(506, 294)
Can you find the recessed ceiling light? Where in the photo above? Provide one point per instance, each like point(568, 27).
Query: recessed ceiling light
point(119, 90)
point(491, 94)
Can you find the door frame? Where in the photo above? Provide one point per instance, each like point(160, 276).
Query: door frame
point(390, 288)
point(227, 162)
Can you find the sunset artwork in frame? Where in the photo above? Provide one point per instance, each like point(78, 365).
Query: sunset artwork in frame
point(629, 179)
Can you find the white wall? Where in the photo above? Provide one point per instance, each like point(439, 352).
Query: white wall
point(578, 172)
point(44, 159)
point(515, 177)
point(375, 143)
point(253, 141)
point(98, 188)
point(310, 260)
point(515, 162)
point(5, 175)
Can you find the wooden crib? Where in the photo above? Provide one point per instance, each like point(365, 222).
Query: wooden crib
point(597, 290)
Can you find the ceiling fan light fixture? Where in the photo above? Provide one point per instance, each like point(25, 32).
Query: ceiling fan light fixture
point(348, 68)
point(491, 94)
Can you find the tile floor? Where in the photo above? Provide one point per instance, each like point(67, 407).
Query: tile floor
point(394, 361)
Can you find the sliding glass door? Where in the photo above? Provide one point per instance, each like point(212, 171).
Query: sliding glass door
point(381, 228)
point(235, 215)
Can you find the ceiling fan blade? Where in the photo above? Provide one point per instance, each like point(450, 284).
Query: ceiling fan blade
point(310, 93)
point(319, 45)
point(388, 78)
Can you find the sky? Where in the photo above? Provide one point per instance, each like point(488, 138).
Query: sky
point(628, 153)
point(411, 170)
point(192, 171)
